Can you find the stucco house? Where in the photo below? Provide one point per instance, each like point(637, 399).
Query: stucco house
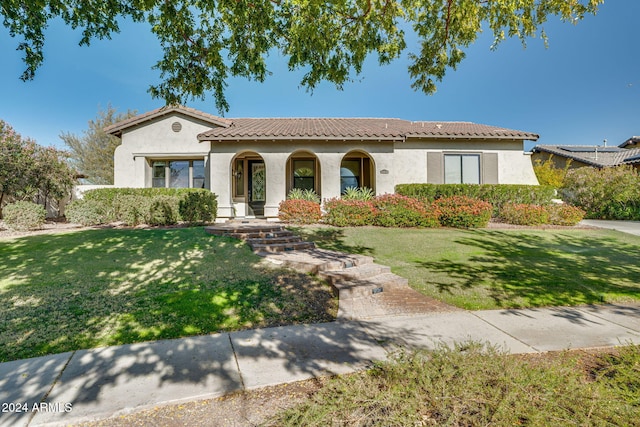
point(252, 163)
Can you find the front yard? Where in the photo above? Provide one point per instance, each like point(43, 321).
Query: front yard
point(62, 292)
point(488, 268)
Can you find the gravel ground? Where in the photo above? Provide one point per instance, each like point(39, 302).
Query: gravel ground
point(250, 408)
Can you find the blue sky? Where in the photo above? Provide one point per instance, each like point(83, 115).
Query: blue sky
point(581, 90)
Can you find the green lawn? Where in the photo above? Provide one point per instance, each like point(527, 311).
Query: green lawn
point(93, 288)
point(487, 269)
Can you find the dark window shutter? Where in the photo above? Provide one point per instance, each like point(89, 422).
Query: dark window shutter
point(435, 174)
point(490, 168)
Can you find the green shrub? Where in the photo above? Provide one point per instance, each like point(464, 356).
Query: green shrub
point(132, 209)
point(23, 216)
point(299, 211)
point(608, 193)
point(163, 210)
point(523, 214)
point(198, 206)
point(300, 194)
point(565, 214)
point(157, 206)
point(349, 213)
point(548, 173)
point(463, 212)
point(496, 194)
point(358, 193)
point(86, 212)
point(395, 210)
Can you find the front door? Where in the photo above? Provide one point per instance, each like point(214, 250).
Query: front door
point(257, 186)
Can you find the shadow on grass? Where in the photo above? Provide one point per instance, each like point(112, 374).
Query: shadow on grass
point(330, 238)
point(103, 287)
point(522, 269)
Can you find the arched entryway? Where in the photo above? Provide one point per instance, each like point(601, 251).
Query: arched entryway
point(249, 184)
point(357, 170)
point(303, 172)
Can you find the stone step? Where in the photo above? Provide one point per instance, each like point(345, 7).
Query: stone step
point(316, 260)
point(268, 240)
point(366, 287)
point(357, 272)
point(281, 247)
point(247, 230)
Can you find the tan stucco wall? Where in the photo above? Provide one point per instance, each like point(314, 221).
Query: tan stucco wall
point(514, 165)
point(156, 139)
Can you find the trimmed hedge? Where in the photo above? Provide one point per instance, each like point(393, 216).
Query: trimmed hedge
point(496, 194)
point(348, 213)
point(396, 210)
point(24, 216)
point(463, 212)
point(299, 211)
point(153, 206)
point(521, 214)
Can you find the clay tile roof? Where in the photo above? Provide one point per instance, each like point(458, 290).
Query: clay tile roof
point(354, 128)
point(605, 156)
point(309, 128)
point(117, 128)
point(466, 130)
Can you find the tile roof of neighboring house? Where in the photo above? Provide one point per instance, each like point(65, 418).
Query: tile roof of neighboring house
point(355, 129)
point(117, 128)
point(325, 128)
point(593, 155)
point(631, 142)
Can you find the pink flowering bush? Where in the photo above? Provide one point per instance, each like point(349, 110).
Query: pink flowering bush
point(463, 212)
point(299, 211)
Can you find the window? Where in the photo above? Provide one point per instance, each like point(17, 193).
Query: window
point(178, 174)
point(356, 172)
point(349, 174)
point(462, 169)
point(304, 174)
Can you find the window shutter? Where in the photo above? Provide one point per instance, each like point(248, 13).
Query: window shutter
point(490, 168)
point(435, 175)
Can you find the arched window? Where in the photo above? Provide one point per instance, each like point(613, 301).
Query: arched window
point(356, 170)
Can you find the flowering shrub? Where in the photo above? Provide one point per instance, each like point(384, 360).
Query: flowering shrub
point(346, 213)
point(523, 214)
point(565, 214)
point(24, 216)
point(395, 210)
point(299, 211)
point(463, 212)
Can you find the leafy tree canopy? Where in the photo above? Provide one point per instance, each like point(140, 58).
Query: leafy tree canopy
point(92, 153)
point(205, 42)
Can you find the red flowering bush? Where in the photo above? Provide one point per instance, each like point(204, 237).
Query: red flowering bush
point(524, 214)
point(395, 210)
point(463, 212)
point(349, 213)
point(299, 211)
point(565, 214)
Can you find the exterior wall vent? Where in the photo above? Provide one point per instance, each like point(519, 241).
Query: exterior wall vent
point(176, 126)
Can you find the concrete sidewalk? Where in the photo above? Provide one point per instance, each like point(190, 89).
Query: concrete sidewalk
point(95, 384)
point(630, 227)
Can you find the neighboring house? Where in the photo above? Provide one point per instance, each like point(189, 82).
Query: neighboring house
point(252, 163)
point(590, 155)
